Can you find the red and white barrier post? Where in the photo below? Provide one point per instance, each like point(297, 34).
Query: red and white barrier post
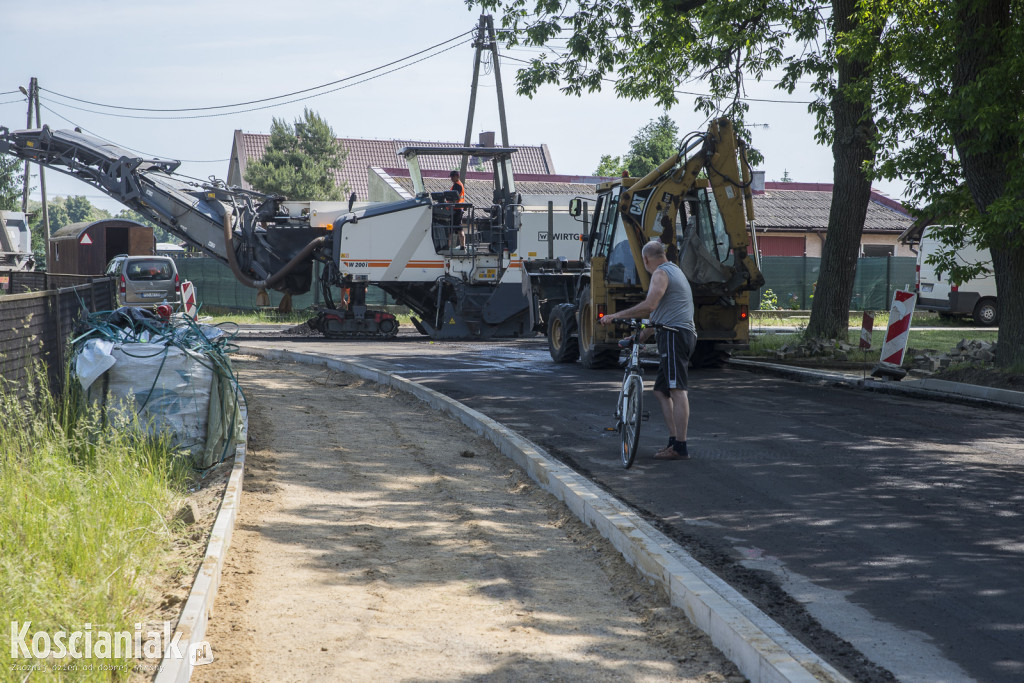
point(189, 304)
point(896, 336)
point(866, 325)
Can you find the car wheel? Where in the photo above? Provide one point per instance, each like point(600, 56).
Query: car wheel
point(986, 313)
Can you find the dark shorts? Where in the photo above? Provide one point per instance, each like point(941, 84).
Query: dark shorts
point(675, 349)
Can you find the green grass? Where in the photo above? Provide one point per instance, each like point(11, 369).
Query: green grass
point(921, 319)
point(935, 340)
point(257, 317)
point(83, 523)
point(271, 316)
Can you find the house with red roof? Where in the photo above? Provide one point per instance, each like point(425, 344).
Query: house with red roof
point(792, 219)
point(364, 154)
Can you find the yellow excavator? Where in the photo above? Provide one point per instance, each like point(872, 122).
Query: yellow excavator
point(699, 204)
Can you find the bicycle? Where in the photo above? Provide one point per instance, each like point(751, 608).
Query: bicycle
point(629, 405)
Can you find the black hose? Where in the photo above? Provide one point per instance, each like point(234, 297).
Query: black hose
point(302, 256)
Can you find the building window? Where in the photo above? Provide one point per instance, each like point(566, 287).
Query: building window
point(781, 245)
point(878, 250)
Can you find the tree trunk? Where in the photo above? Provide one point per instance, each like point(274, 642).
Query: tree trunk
point(851, 191)
point(985, 161)
point(1008, 265)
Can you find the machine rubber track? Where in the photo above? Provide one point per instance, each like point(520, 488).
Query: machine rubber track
point(342, 325)
point(361, 335)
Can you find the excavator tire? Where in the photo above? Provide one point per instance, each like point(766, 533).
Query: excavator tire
point(563, 334)
point(592, 355)
point(706, 356)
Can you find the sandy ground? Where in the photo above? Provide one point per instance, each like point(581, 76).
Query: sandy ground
point(378, 540)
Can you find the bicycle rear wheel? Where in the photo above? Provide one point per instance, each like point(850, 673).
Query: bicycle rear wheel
point(632, 415)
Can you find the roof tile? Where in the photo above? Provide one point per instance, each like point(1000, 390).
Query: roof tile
point(364, 153)
point(809, 210)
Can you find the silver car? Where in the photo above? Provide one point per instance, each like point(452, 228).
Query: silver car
point(145, 280)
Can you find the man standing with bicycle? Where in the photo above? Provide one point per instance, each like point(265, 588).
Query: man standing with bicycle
point(669, 303)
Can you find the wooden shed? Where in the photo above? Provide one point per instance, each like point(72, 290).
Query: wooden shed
point(86, 248)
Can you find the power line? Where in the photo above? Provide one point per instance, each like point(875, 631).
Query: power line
point(265, 99)
point(211, 161)
point(145, 154)
point(266, 106)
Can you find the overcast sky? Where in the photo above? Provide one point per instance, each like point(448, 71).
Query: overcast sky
point(189, 53)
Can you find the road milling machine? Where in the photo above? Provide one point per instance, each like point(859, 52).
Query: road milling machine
point(699, 204)
point(268, 242)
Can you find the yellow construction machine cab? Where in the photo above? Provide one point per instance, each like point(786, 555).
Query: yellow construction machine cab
point(699, 204)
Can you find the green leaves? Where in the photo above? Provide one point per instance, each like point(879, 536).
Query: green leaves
point(950, 78)
point(11, 180)
point(653, 144)
point(299, 161)
point(610, 167)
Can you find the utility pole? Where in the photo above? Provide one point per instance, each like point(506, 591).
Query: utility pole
point(497, 82)
point(33, 99)
point(478, 45)
point(42, 175)
point(28, 124)
point(485, 40)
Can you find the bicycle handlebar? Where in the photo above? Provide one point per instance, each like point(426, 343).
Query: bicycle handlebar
point(635, 324)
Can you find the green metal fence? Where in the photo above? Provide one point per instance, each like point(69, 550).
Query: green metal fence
point(216, 286)
point(793, 278)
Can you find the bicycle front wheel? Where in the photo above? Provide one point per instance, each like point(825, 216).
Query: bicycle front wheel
point(632, 415)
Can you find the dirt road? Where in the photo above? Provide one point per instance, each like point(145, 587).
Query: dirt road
point(378, 540)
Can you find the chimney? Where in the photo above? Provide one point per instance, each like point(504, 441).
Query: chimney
point(757, 181)
point(486, 139)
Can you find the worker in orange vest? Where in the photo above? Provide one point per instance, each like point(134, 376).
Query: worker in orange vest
point(457, 233)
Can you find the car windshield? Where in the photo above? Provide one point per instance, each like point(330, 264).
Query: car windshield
point(149, 270)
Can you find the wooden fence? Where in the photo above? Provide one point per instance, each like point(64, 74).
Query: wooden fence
point(38, 316)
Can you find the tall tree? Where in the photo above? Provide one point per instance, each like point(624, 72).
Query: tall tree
point(299, 161)
point(652, 144)
point(10, 183)
point(57, 212)
point(609, 166)
point(950, 84)
point(79, 209)
point(652, 46)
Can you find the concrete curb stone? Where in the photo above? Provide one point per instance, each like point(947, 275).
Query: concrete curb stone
point(928, 388)
point(198, 609)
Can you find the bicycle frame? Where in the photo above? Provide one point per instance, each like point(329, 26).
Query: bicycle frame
point(629, 405)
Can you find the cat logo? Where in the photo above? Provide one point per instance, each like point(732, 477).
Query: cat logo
point(637, 207)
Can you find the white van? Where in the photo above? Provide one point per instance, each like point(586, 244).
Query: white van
point(935, 292)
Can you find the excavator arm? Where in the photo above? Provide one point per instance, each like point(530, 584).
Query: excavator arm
point(649, 207)
point(249, 231)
